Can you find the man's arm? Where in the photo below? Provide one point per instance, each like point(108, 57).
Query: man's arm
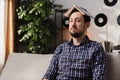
point(53, 67)
point(99, 64)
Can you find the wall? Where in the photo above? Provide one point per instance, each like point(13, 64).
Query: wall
point(111, 30)
point(2, 33)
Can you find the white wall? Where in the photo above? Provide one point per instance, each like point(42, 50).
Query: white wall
point(2, 32)
point(111, 29)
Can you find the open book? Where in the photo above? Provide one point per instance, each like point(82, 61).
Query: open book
point(80, 9)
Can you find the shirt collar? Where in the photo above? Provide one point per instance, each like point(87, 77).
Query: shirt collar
point(84, 41)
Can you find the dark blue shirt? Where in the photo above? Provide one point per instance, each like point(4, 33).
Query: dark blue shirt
point(86, 61)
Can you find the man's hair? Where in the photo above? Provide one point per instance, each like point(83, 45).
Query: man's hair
point(86, 17)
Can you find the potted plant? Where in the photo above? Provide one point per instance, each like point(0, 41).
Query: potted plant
point(36, 29)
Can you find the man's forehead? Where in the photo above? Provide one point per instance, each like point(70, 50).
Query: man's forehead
point(76, 14)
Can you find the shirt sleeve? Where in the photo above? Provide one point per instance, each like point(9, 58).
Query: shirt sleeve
point(99, 64)
point(53, 67)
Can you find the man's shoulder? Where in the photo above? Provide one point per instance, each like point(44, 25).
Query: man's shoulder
point(64, 43)
point(96, 43)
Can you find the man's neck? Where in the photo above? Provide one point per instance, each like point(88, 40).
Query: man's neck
point(77, 41)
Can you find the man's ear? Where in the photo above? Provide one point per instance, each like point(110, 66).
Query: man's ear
point(87, 25)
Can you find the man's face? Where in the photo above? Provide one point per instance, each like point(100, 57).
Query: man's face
point(77, 25)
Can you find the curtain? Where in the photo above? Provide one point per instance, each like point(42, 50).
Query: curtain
point(10, 28)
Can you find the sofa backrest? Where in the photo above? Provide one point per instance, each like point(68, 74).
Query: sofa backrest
point(21, 66)
point(113, 63)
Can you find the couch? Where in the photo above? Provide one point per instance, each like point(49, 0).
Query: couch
point(21, 66)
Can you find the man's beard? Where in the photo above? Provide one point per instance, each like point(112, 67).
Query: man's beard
point(77, 34)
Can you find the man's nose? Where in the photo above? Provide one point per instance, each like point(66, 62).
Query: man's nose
point(73, 23)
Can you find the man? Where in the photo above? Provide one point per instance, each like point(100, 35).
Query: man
point(80, 58)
